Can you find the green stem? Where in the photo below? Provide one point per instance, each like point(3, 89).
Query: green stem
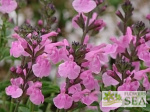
point(11, 105)
point(32, 107)
point(16, 108)
point(85, 31)
point(98, 109)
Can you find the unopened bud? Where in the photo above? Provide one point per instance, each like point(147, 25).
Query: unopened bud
point(40, 22)
point(19, 70)
point(13, 69)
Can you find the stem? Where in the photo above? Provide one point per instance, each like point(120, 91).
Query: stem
point(11, 106)
point(85, 31)
point(16, 108)
point(98, 109)
point(17, 18)
point(32, 107)
point(57, 110)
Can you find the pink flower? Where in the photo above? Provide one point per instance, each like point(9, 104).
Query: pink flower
point(146, 83)
point(8, 6)
point(108, 80)
point(63, 100)
point(17, 49)
point(84, 5)
point(140, 74)
point(17, 81)
point(143, 53)
point(69, 69)
point(35, 93)
point(53, 54)
point(112, 76)
point(88, 80)
point(14, 90)
point(96, 57)
point(148, 17)
point(88, 97)
point(75, 90)
point(123, 43)
point(51, 34)
point(129, 86)
point(42, 66)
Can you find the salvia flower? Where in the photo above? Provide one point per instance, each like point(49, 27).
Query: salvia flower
point(14, 89)
point(8, 6)
point(84, 6)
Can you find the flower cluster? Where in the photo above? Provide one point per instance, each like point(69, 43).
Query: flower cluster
point(84, 66)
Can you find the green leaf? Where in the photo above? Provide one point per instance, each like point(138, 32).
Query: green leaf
point(95, 103)
point(2, 110)
point(48, 87)
point(24, 109)
point(80, 105)
point(147, 108)
point(4, 85)
point(49, 100)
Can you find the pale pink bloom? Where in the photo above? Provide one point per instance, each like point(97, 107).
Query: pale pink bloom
point(51, 34)
point(140, 74)
point(14, 90)
point(88, 80)
point(17, 81)
point(89, 97)
point(69, 69)
point(8, 6)
point(123, 42)
point(17, 49)
point(148, 17)
point(75, 88)
point(108, 80)
point(109, 49)
point(84, 6)
point(143, 53)
point(42, 67)
point(35, 93)
point(96, 57)
point(106, 109)
point(53, 54)
point(57, 54)
point(63, 100)
point(146, 83)
point(129, 86)
point(136, 65)
point(110, 75)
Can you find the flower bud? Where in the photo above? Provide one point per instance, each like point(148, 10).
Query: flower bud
point(148, 17)
point(19, 70)
point(16, 29)
point(40, 22)
point(13, 69)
